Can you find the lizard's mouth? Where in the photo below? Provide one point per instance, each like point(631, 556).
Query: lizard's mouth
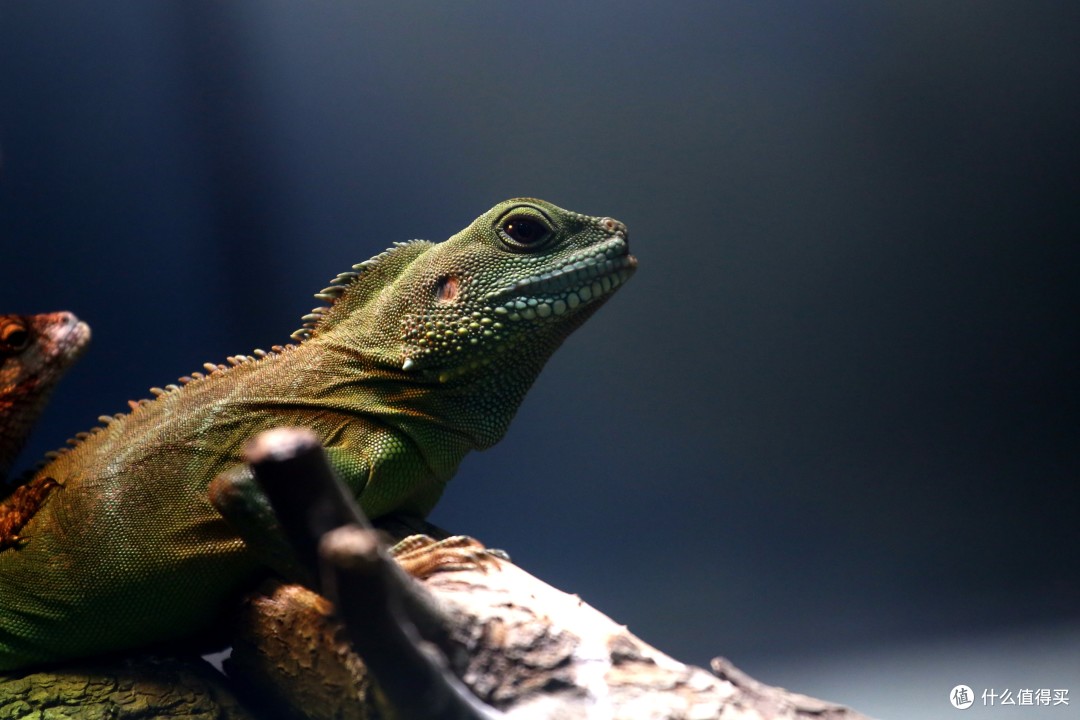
point(79, 333)
point(69, 333)
point(582, 278)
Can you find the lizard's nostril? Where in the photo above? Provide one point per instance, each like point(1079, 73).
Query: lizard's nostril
point(613, 226)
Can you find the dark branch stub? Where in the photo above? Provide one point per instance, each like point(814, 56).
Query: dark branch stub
point(336, 543)
point(308, 500)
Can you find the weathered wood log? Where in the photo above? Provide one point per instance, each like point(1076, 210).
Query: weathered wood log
point(521, 647)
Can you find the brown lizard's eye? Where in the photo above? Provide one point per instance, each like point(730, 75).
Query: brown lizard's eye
point(525, 232)
point(14, 336)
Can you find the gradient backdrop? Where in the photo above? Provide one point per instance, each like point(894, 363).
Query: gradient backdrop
point(830, 428)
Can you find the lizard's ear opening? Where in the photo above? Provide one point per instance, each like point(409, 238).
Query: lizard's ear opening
point(447, 288)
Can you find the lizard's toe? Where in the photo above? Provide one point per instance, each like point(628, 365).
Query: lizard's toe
point(422, 556)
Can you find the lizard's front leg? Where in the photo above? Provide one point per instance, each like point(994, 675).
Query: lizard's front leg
point(241, 501)
point(388, 475)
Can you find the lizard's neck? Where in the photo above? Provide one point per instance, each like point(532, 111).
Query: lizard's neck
point(473, 407)
point(19, 408)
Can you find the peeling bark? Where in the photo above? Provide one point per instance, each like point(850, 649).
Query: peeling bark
point(132, 688)
point(522, 647)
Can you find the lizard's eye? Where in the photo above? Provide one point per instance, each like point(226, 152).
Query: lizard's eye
point(522, 232)
point(14, 336)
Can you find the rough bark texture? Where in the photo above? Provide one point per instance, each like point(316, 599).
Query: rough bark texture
point(523, 648)
point(134, 688)
point(290, 649)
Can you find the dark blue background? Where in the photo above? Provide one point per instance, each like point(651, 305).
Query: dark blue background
point(833, 415)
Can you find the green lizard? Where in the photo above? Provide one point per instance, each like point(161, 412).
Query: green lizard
point(422, 354)
point(35, 352)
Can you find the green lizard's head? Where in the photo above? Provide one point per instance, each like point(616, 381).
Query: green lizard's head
point(500, 295)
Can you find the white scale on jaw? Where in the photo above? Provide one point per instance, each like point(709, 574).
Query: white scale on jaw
point(591, 273)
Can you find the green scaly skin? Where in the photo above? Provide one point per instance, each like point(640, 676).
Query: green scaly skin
point(35, 352)
point(424, 353)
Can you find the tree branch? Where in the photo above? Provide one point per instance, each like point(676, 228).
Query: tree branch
point(518, 645)
point(373, 596)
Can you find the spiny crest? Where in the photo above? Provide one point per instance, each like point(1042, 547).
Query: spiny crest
point(157, 392)
point(332, 293)
point(345, 282)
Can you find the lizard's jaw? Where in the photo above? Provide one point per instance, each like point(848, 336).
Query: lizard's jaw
point(579, 279)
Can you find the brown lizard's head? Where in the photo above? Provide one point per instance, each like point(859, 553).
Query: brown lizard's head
point(35, 352)
point(38, 348)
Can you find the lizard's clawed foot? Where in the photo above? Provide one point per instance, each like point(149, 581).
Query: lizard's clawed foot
point(422, 556)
